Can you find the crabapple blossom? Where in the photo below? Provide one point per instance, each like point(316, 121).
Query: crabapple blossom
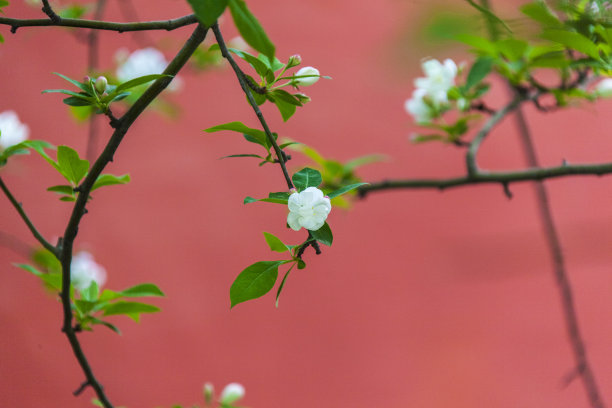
point(308, 209)
point(604, 87)
point(308, 80)
point(12, 131)
point(439, 79)
point(417, 107)
point(231, 393)
point(84, 270)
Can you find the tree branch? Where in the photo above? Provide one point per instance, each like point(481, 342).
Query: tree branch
point(244, 84)
point(27, 220)
point(482, 177)
point(167, 25)
point(78, 211)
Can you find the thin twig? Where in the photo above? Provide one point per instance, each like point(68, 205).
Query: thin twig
point(48, 10)
point(583, 367)
point(244, 84)
point(129, 13)
point(26, 219)
point(79, 210)
point(167, 25)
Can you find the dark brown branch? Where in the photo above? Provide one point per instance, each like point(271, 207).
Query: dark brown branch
point(48, 10)
point(123, 125)
point(167, 25)
point(244, 84)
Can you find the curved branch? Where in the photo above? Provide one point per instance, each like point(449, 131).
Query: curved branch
point(500, 177)
point(122, 126)
point(27, 220)
point(244, 84)
point(167, 25)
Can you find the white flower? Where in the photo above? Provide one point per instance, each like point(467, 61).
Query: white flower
point(417, 107)
point(84, 270)
point(146, 61)
point(238, 43)
point(231, 393)
point(439, 78)
point(308, 209)
point(594, 7)
point(604, 87)
point(12, 131)
point(308, 80)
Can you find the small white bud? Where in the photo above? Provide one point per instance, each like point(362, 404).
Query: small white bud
point(231, 393)
point(209, 393)
point(294, 61)
point(101, 84)
point(308, 80)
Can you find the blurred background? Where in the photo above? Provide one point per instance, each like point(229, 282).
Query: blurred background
point(426, 299)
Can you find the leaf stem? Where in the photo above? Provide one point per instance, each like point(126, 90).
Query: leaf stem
point(245, 87)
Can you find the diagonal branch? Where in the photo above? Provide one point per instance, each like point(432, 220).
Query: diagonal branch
point(246, 88)
point(27, 220)
point(122, 126)
point(167, 25)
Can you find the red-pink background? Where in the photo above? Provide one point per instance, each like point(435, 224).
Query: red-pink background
point(426, 299)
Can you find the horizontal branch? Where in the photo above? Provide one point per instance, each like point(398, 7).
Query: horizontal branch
point(101, 25)
point(503, 178)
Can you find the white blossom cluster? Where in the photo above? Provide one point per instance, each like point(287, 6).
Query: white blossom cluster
point(308, 209)
point(146, 61)
point(84, 270)
point(12, 131)
point(431, 92)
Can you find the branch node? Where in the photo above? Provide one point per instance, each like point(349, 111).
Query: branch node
point(507, 191)
point(14, 29)
point(81, 388)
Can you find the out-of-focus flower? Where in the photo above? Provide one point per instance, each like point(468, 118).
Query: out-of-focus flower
point(417, 107)
point(84, 270)
point(146, 61)
point(308, 80)
point(439, 78)
point(594, 7)
point(238, 43)
point(604, 87)
point(232, 393)
point(308, 209)
point(12, 131)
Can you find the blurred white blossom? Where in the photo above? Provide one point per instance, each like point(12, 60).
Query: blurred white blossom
point(308, 209)
point(238, 43)
point(439, 79)
point(146, 61)
point(604, 87)
point(12, 131)
point(309, 80)
point(417, 107)
point(84, 270)
point(231, 393)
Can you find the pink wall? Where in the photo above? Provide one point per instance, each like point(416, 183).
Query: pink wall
point(426, 299)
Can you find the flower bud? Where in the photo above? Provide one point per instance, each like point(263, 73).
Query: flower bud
point(101, 84)
point(463, 104)
point(302, 97)
point(231, 393)
point(294, 61)
point(209, 392)
point(308, 80)
point(604, 87)
point(86, 79)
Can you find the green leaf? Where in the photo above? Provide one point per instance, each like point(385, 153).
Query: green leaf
point(282, 284)
point(489, 15)
point(71, 166)
point(83, 86)
point(345, 189)
point(29, 268)
point(68, 198)
point(540, 12)
point(286, 97)
point(481, 68)
point(109, 180)
point(62, 189)
point(257, 136)
point(139, 81)
point(84, 306)
point(275, 243)
point(77, 95)
point(573, 40)
point(131, 309)
point(260, 67)
point(286, 109)
point(306, 177)
point(242, 155)
point(250, 29)
point(74, 101)
point(208, 11)
point(107, 324)
point(254, 281)
point(323, 235)
point(144, 289)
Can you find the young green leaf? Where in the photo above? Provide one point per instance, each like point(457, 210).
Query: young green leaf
point(282, 284)
point(323, 235)
point(573, 40)
point(306, 177)
point(254, 281)
point(208, 11)
point(131, 309)
point(345, 189)
point(481, 68)
point(63, 189)
point(85, 87)
point(275, 243)
point(540, 12)
point(29, 268)
point(257, 136)
point(138, 81)
point(242, 155)
point(286, 109)
point(250, 29)
point(70, 165)
point(109, 180)
point(144, 289)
